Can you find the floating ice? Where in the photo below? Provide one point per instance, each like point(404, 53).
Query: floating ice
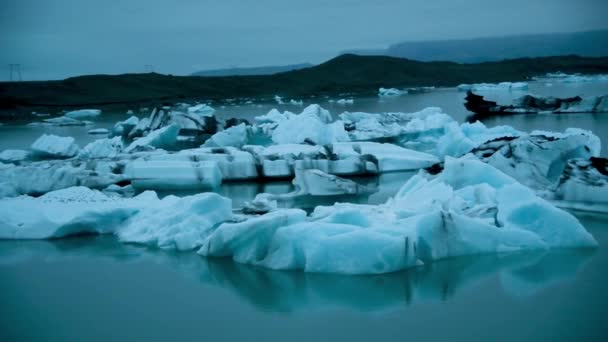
point(102, 148)
point(318, 183)
point(12, 156)
point(584, 185)
point(312, 125)
point(484, 87)
point(235, 136)
point(345, 102)
point(71, 211)
point(165, 137)
point(42, 177)
point(59, 121)
point(574, 78)
point(173, 175)
point(98, 131)
point(52, 146)
point(83, 113)
point(178, 223)
point(388, 92)
point(201, 109)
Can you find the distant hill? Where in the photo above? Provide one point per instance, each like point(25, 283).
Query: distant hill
point(264, 70)
point(589, 44)
point(346, 73)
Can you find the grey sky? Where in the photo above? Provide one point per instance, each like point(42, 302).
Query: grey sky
point(60, 38)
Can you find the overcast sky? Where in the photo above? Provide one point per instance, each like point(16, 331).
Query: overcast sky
point(60, 38)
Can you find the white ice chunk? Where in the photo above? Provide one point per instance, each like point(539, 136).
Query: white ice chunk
point(11, 156)
point(235, 136)
point(98, 131)
point(102, 148)
point(202, 110)
point(388, 92)
point(52, 146)
point(83, 113)
point(165, 137)
point(178, 223)
point(75, 210)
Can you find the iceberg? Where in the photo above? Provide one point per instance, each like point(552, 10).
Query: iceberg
point(52, 146)
point(233, 164)
point(42, 177)
point(83, 113)
point(490, 87)
point(102, 148)
point(574, 78)
point(71, 211)
point(313, 125)
point(123, 128)
point(177, 223)
point(235, 136)
point(539, 158)
point(401, 126)
point(583, 185)
point(470, 208)
point(201, 109)
point(13, 156)
point(535, 104)
point(99, 131)
point(388, 92)
point(318, 183)
point(173, 175)
point(165, 138)
point(345, 102)
point(60, 121)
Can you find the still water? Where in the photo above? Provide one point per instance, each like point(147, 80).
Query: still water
point(94, 288)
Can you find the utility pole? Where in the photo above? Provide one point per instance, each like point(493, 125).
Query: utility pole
point(15, 74)
point(148, 68)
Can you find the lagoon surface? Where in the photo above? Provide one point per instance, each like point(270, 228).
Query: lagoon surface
point(95, 288)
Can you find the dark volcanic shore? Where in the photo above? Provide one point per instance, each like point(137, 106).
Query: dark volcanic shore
point(343, 74)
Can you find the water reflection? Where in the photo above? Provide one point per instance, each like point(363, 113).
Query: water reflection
point(520, 274)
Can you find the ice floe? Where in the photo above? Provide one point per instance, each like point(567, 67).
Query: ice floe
point(83, 113)
point(12, 156)
point(99, 131)
point(53, 146)
point(201, 109)
point(484, 87)
point(388, 92)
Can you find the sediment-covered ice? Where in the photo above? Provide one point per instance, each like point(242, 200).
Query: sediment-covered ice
point(583, 185)
point(484, 87)
point(173, 175)
point(83, 113)
point(318, 183)
point(53, 146)
point(42, 177)
point(165, 137)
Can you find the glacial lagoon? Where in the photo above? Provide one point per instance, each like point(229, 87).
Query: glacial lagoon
point(98, 288)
